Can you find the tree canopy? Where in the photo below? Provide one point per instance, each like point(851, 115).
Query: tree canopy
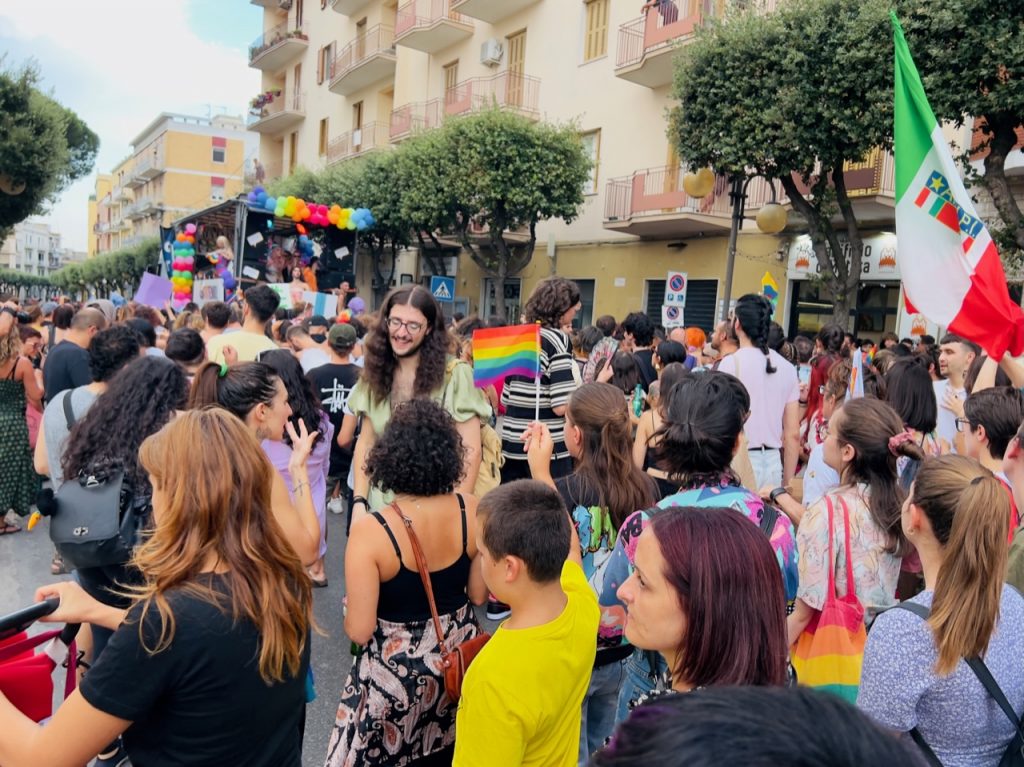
point(795, 94)
point(43, 147)
point(480, 183)
point(119, 270)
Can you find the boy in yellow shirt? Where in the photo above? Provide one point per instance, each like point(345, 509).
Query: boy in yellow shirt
point(522, 695)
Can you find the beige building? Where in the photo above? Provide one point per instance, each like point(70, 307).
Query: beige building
point(35, 248)
point(344, 77)
point(179, 164)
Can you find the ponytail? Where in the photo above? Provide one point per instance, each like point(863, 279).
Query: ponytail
point(969, 511)
point(238, 389)
point(754, 314)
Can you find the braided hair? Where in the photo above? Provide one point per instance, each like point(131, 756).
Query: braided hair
point(754, 313)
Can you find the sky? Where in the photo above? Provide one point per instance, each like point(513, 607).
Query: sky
point(120, 63)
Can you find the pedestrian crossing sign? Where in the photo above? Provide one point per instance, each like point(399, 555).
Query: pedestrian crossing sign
point(443, 288)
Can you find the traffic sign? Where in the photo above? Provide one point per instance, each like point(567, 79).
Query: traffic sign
point(675, 289)
point(672, 316)
point(443, 288)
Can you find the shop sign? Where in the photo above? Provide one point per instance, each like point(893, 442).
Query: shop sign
point(880, 259)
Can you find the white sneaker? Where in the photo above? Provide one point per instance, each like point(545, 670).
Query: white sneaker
point(336, 505)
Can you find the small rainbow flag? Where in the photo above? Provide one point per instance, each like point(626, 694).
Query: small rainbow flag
point(508, 351)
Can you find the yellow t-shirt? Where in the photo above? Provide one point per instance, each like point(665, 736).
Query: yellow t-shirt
point(247, 344)
point(521, 697)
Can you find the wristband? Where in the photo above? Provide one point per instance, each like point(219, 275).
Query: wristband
point(773, 496)
point(360, 499)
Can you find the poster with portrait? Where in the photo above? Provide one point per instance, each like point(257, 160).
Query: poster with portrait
point(207, 291)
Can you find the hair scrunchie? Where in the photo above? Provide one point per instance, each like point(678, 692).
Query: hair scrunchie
point(900, 439)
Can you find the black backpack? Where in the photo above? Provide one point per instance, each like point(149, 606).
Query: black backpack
point(1013, 756)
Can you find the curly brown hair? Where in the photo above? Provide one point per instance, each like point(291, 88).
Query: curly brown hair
point(550, 300)
point(380, 360)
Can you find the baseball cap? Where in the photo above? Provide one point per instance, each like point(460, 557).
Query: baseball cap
point(342, 336)
point(318, 321)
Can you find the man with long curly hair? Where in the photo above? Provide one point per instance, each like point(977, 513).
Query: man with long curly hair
point(407, 356)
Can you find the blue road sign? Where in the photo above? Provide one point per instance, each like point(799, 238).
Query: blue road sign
point(443, 288)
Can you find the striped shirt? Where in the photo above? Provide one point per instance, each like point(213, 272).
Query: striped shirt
point(519, 397)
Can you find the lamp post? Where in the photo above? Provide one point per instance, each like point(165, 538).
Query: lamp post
point(771, 219)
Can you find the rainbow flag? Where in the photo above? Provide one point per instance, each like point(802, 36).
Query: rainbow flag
point(502, 352)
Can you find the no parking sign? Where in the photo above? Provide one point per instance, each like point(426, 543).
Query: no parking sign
point(672, 317)
point(675, 289)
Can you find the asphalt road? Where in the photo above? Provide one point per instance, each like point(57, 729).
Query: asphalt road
point(25, 564)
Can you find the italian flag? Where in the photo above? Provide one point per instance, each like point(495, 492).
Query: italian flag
point(950, 266)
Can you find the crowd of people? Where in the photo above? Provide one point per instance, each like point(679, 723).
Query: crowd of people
point(670, 526)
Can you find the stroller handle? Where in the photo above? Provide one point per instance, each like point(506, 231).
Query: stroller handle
point(18, 621)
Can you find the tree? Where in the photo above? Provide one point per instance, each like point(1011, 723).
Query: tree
point(506, 173)
point(43, 147)
point(118, 270)
point(793, 95)
point(971, 58)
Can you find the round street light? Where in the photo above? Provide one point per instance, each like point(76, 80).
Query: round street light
point(771, 219)
point(700, 184)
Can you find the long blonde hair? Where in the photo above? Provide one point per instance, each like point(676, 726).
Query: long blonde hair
point(219, 510)
point(10, 345)
point(969, 511)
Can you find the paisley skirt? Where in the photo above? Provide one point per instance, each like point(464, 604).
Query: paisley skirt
point(394, 708)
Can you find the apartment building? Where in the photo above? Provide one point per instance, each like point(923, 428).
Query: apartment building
point(178, 164)
point(345, 77)
point(35, 248)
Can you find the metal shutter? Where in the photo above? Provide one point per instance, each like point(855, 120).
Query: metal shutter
point(701, 303)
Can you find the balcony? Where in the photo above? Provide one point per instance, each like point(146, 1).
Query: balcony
point(651, 204)
point(430, 26)
point(121, 194)
point(275, 48)
point(147, 167)
point(646, 44)
point(412, 118)
point(366, 60)
point(356, 142)
point(349, 7)
point(491, 11)
point(871, 186)
point(279, 114)
point(282, 6)
point(141, 209)
point(508, 90)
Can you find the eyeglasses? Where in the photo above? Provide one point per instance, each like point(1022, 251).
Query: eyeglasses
point(396, 324)
point(963, 424)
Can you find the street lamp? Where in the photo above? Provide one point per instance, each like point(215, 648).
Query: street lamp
point(771, 219)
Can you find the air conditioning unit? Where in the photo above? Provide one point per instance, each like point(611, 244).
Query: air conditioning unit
point(284, 5)
point(491, 52)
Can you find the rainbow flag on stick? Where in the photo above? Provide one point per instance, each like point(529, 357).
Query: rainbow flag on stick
point(502, 352)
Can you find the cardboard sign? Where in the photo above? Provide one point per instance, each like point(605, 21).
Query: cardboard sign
point(321, 304)
point(207, 291)
point(154, 291)
point(675, 289)
point(284, 292)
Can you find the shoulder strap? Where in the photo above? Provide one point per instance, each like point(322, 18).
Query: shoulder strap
point(69, 414)
point(833, 560)
point(977, 665)
point(465, 528)
point(850, 583)
point(391, 535)
point(768, 518)
point(929, 756)
point(421, 564)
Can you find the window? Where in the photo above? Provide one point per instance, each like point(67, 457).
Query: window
point(293, 150)
point(220, 149)
point(298, 13)
point(323, 137)
point(325, 66)
point(297, 79)
point(451, 77)
point(585, 316)
point(595, 38)
point(357, 116)
point(216, 188)
point(592, 146)
point(701, 303)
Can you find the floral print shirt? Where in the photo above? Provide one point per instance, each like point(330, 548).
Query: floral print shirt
point(875, 570)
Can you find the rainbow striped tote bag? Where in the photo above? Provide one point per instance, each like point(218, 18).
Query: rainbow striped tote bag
point(829, 653)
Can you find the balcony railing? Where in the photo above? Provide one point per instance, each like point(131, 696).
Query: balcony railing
point(412, 118)
point(439, 24)
point(148, 166)
point(376, 44)
point(276, 39)
point(278, 114)
point(510, 90)
point(874, 176)
point(657, 191)
point(658, 28)
point(371, 136)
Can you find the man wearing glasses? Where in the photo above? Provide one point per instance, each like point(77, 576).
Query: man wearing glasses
point(406, 357)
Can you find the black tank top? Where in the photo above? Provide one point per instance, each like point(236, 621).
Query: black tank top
point(403, 598)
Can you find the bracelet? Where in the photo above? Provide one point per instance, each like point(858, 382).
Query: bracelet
point(360, 499)
point(295, 490)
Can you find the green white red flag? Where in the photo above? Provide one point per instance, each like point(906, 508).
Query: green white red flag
point(950, 266)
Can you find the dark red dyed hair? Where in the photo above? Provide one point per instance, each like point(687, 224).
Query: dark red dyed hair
point(727, 578)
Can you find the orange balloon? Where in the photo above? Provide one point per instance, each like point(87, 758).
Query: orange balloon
point(180, 237)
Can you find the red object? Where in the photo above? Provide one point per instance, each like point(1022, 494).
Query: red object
point(217, 180)
point(27, 679)
point(217, 141)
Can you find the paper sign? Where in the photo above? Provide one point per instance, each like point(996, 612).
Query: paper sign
point(620, 282)
point(672, 316)
point(341, 252)
point(322, 304)
point(154, 291)
point(207, 291)
point(250, 272)
point(675, 289)
point(284, 292)
point(254, 239)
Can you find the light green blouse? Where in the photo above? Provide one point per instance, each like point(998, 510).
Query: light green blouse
point(457, 395)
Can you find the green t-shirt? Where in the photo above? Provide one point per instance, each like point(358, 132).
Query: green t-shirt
point(457, 395)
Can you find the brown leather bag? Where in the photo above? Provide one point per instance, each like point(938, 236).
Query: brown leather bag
point(454, 662)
